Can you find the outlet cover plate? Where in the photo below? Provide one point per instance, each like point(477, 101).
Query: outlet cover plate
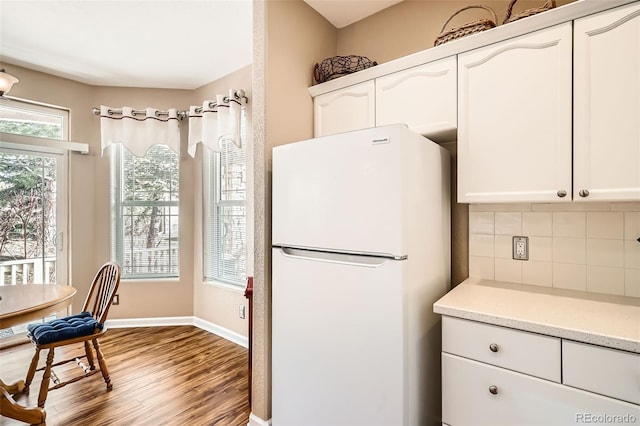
point(521, 248)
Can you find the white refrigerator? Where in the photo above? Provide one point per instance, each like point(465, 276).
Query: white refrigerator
point(360, 252)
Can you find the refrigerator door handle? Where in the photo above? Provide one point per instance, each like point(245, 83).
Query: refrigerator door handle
point(370, 261)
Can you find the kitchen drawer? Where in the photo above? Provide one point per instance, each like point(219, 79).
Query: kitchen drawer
point(518, 399)
point(602, 370)
point(517, 350)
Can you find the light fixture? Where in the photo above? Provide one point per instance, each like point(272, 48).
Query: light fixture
point(6, 82)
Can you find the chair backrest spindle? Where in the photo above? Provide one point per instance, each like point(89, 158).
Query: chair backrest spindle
point(103, 289)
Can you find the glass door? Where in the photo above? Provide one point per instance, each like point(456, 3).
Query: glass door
point(32, 218)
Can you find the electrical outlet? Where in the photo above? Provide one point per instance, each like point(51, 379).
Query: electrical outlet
point(521, 248)
point(116, 299)
point(241, 312)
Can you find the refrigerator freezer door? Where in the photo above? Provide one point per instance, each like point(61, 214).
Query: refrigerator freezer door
point(344, 192)
point(338, 354)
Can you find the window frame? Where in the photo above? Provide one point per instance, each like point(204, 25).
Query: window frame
point(40, 108)
point(117, 153)
point(212, 200)
point(58, 149)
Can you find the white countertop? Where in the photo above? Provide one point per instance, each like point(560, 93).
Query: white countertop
point(547, 19)
point(599, 319)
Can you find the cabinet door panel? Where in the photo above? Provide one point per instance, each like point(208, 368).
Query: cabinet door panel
point(343, 110)
point(423, 98)
point(519, 399)
point(514, 119)
point(607, 105)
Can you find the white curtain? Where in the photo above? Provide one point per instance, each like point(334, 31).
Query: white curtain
point(215, 122)
point(139, 131)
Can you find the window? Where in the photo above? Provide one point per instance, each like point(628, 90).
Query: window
point(145, 221)
point(23, 118)
point(225, 221)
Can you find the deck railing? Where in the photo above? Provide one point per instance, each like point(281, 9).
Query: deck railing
point(28, 271)
point(35, 271)
point(162, 260)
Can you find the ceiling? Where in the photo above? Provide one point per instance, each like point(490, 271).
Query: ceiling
point(179, 44)
point(345, 12)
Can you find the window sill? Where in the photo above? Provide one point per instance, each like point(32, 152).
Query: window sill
point(227, 286)
point(171, 280)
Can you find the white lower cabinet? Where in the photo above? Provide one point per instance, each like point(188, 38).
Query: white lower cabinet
point(533, 354)
point(476, 394)
point(602, 370)
point(489, 378)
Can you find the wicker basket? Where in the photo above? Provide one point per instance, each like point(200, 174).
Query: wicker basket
point(466, 29)
point(337, 66)
point(549, 4)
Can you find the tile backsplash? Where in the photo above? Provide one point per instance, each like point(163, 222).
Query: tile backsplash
point(591, 247)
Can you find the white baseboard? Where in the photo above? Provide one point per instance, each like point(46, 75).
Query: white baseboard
point(257, 421)
point(149, 322)
point(223, 332)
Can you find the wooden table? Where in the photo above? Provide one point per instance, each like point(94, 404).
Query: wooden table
point(20, 304)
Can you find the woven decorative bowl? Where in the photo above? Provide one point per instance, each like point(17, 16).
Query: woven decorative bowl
point(466, 29)
point(337, 66)
point(549, 4)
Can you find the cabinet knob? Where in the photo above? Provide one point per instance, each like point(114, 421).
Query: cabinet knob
point(562, 193)
point(493, 390)
point(584, 193)
point(493, 347)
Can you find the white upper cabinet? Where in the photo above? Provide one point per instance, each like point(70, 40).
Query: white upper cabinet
point(606, 138)
point(514, 119)
point(422, 97)
point(350, 108)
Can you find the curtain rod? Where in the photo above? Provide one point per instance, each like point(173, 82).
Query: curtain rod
point(238, 94)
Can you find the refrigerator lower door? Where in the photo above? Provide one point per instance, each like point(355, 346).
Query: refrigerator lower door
point(338, 355)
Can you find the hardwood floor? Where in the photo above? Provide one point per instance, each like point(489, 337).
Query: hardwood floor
point(181, 376)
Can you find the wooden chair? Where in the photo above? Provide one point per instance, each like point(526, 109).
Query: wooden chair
point(85, 327)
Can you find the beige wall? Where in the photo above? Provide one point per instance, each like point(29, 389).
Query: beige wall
point(89, 211)
point(146, 298)
point(289, 38)
point(413, 25)
point(215, 303)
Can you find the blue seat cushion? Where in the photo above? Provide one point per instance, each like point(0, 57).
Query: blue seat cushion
point(82, 324)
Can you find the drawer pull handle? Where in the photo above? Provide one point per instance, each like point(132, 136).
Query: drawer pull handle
point(493, 390)
point(493, 347)
point(562, 193)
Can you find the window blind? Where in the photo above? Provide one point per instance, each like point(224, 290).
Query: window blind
point(225, 224)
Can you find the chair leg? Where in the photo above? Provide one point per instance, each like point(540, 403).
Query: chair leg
point(32, 369)
point(89, 353)
point(103, 364)
point(44, 386)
